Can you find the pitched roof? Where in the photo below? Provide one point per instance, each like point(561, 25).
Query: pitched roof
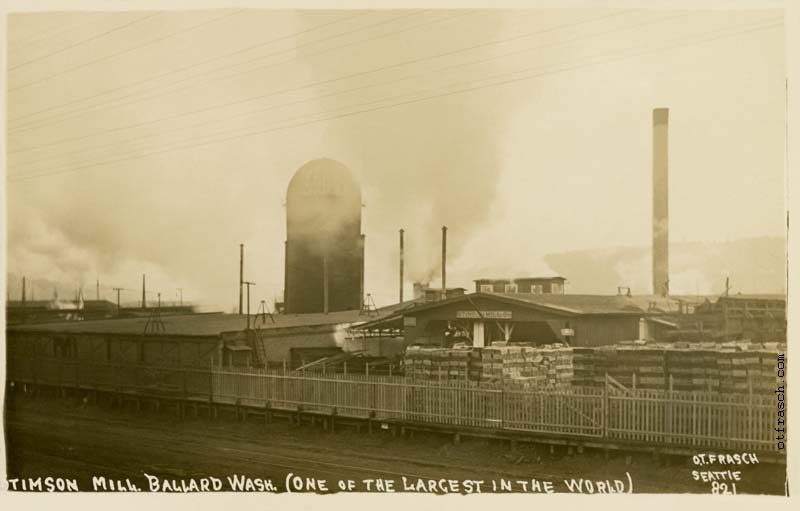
point(204, 325)
point(565, 304)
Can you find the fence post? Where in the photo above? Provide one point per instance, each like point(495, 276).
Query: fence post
point(670, 409)
point(60, 381)
point(285, 397)
point(694, 418)
point(502, 399)
point(750, 428)
point(211, 384)
point(605, 407)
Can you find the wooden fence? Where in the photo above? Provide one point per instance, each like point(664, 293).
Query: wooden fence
point(693, 420)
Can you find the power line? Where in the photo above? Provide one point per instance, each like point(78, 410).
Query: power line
point(84, 41)
point(352, 75)
point(128, 50)
point(40, 123)
point(379, 84)
point(367, 110)
point(157, 77)
point(42, 37)
point(186, 146)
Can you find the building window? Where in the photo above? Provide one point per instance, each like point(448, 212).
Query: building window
point(536, 289)
point(486, 288)
point(557, 288)
point(65, 348)
point(511, 288)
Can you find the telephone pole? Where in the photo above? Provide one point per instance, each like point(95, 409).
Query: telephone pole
point(180, 290)
point(241, 274)
point(402, 255)
point(248, 284)
point(118, 289)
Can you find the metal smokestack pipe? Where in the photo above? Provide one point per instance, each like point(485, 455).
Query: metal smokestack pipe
point(444, 262)
point(361, 274)
point(144, 300)
point(241, 274)
point(661, 201)
point(401, 264)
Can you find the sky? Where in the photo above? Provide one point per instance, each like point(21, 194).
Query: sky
point(156, 142)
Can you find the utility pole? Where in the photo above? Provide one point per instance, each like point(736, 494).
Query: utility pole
point(241, 274)
point(727, 286)
point(402, 255)
point(118, 289)
point(159, 300)
point(144, 300)
point(180, 290)
point(248, 284)
point(98, 289)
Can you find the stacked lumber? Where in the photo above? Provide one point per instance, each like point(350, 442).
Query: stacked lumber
point(731, 367)
point(583, 366)
point(520, 366)
point(436, 364)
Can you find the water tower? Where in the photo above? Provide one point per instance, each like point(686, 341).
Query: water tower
point(324, 245)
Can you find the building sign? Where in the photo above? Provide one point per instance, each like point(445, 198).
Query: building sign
point(409, 321)
point(483, 315)
point(567, 332)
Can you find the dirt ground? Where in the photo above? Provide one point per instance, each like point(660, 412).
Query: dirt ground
point(72, 439)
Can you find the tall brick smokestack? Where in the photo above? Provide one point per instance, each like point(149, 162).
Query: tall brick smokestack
point(661, 201)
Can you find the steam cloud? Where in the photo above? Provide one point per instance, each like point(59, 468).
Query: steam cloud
point(426, 164)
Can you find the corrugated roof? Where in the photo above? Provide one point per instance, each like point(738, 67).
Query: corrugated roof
point(595, 304)
point(211, 324)
point(570, 304)
point(511, 279)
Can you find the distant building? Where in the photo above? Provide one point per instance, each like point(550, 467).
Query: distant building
point(760, 318)
point(528, 285)
point(43, 311)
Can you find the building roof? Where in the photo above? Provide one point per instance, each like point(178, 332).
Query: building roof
point(567, 304)
point(46, 304)
point(514, 279)
point(391, 314)
point(597, 304)
point(199, 325)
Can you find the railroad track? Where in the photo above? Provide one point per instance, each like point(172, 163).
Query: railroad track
point(260, 460)
point(287, 442)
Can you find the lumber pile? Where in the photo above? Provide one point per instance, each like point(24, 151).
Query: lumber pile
point(518, 366)
point(436, 364)
point(730, 367)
